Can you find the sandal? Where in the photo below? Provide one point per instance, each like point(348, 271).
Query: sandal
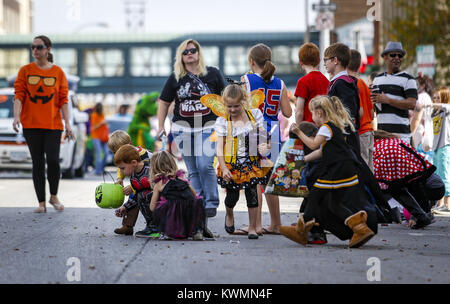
point(57, 206)
point(40, 209)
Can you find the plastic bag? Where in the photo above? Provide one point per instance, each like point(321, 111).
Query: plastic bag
point(428, 135)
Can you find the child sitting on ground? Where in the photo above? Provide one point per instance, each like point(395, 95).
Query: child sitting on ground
point(116, 140)
point(179, 212)
point(129, 161)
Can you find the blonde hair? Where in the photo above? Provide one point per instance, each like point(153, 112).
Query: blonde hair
point(117, 139)
point(444, 95)
point(236, 92)
point(334, 111)
point(126, 154)
point(262, 55)
point(179, 68)
point(162, 163)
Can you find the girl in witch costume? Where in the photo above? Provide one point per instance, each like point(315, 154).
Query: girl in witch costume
point(337, 200)
point(179, 212)
point(242, 142)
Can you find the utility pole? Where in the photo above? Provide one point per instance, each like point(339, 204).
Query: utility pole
point(307, 36)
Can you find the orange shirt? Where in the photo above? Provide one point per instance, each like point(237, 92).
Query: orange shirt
point(95, 120)
point(367, 105)
point(43, 93)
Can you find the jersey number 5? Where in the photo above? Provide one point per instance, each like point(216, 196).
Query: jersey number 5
point(270, 107)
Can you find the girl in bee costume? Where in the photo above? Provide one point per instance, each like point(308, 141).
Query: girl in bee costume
point(242, 142)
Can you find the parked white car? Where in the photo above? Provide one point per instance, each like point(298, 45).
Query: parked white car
point(14, 153)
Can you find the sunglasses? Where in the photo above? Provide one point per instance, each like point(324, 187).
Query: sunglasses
point(48, 81)
point(39, 47)
point(326, 59)
point(396, 55)
point(192, 51)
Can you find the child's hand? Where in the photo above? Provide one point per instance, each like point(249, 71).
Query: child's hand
point(121, 211)
point(127, 190)
point(295, 129)
point(120, 181)
point(264, 149)
point(226, 174)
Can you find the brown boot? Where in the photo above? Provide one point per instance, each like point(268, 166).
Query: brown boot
point(124, 230)
point(299, 233)
point(128, 222)
point(361, 232)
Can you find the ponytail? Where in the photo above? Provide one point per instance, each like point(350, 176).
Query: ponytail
point(334, 111)
point(268, 71)
point(342, 112)
point(50, 57)
point(262, 55)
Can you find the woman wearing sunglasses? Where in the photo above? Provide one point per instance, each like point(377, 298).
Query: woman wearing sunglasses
point(41, 91)
point(192, 122)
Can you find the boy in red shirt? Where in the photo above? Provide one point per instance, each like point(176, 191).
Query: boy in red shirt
point(312, 84)
point(366, 129)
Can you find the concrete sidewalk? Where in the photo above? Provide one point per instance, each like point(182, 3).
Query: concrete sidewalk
point(48, 248)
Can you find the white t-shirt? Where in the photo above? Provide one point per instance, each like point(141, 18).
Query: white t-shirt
point(417, 136)
point(241, 131)
point(325, 131)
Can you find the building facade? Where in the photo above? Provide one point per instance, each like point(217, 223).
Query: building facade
point(15, 16)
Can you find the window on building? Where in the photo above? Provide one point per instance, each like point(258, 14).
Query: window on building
point(103, 63)
point(285, 59)
point(66, 59)
point(150, 61)
point(211, 55)
point(236, 60)
point(11, 60)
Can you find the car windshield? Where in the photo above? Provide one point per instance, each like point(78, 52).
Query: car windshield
point(6, 106)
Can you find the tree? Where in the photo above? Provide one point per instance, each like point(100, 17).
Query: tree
point(424, 22)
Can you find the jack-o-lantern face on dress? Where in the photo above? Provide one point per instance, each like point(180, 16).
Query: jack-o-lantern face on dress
point(41, 87)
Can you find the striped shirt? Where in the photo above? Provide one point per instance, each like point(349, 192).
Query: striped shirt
point(398, 86)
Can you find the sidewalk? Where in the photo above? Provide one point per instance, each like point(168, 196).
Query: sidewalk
point(44, 248)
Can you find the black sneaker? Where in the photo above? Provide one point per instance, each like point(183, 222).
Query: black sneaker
point(148, 232)
point(210, 212)
point(317, 238)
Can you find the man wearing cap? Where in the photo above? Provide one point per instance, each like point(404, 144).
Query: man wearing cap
point(394, 93)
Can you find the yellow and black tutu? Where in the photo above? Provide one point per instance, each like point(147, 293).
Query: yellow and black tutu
point(246, 174)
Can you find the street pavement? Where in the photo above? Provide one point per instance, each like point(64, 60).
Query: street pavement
point(78, 246)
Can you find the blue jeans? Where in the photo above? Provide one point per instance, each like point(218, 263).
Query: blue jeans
point(198, 154)
point(100, 162)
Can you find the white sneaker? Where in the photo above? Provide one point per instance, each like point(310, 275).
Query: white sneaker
point(198, 236)
point(443, 211)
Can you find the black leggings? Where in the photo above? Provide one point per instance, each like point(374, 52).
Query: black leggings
point(251, 194)
point(44, 144)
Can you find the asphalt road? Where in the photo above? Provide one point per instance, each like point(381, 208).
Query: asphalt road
point(78, 246)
